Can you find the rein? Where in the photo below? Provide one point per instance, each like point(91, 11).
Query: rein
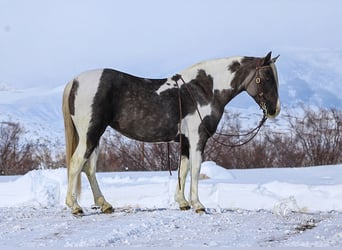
point(175, 78)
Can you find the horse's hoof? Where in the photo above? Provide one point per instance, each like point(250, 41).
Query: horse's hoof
point(108, 210)
point(184, 208)
point(200, 211)
point(77, 212)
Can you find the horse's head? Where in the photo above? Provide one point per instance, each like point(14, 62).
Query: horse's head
point(263, 85)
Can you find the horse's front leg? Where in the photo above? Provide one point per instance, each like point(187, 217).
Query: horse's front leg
point(179, 195)
point(195, 163)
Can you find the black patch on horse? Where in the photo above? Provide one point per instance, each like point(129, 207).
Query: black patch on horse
point(198, 91)
point(241, 72)
point(202, 87)
point(234, 66)
point(131, 106)
point(185, 145)
point(72, 95)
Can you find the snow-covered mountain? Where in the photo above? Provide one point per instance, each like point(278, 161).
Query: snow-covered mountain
point(312, 77)
point(38, 110)
point(307, 77)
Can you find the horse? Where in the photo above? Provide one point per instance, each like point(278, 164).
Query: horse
point(186, 108)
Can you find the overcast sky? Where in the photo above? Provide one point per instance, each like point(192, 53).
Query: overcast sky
point(49, 42)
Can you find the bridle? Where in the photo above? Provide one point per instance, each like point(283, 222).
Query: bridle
point(260, 94)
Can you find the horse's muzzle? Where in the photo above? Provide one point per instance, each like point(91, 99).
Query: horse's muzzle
point(272, 113)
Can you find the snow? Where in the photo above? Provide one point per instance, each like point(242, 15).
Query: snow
point(255, 207)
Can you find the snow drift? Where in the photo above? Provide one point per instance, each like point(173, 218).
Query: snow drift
point(311, 189)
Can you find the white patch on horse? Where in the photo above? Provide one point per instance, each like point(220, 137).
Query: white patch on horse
point(218, 69)
point(88, 84)
point(275, 73)
point(191, 121)
point(169, 84)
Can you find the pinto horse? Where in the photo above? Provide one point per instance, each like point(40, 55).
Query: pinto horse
point(185, 108)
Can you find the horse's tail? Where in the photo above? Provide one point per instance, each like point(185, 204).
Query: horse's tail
point(71, 136)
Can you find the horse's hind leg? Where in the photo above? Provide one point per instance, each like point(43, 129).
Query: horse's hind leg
point(90, 170)
point(76, 164)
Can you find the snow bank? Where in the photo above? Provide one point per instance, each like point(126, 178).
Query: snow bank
point(279, 190)
point(213, 171)
point(36, 188)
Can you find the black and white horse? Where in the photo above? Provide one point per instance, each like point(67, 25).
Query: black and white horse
point(187, 107)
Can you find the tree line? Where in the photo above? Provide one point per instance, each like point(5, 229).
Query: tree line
point(311, 137)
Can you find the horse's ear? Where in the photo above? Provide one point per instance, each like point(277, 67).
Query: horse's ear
point(274, 59)
point(267, 59)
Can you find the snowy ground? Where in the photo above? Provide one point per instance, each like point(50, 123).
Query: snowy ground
point(260, 207)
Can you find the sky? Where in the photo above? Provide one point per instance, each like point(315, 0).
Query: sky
point(49, 42)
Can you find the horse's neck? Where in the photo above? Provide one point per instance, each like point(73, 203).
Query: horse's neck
point(219, 70)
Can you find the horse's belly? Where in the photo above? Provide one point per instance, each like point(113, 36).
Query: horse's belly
point(143, 115)
point(148, 129)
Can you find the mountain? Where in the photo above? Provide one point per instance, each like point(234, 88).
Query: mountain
point(312, 77)
point(38, 110)
point(304, 76)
